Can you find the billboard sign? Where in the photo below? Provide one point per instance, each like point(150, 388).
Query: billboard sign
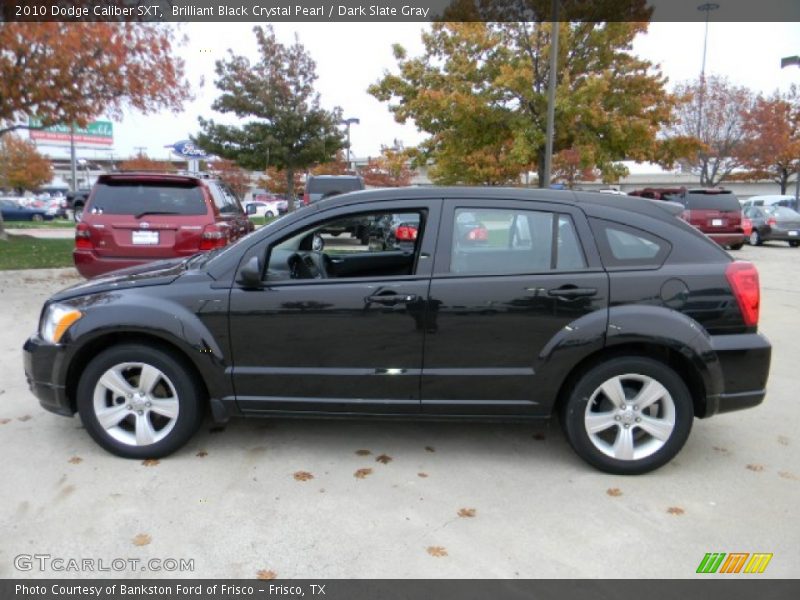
point(187, 149)
point(99, 133)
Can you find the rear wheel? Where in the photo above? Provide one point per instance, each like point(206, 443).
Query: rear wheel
point(139, 402)
point(37, 218)
point(737, 246)
point(755, 238)
point(794, 243)
point(268, 214)
point(77, 213)
point(628, 415)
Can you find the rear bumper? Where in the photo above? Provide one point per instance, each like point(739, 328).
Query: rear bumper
point(46, 374)
point(727, 239)
point(90, 265)
point(744, 360)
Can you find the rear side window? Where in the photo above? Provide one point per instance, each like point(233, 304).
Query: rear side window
point(502, 242)
point(224, 198)
point(623, 246)
point(139, 198)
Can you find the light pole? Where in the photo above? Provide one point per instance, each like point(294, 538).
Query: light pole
point(707, 8)
point(787, 61)
point(347, 123)
point(551, 99)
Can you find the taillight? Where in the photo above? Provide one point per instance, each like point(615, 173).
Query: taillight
point(83, 236)
point(406, 233)
point(743, 279)
point(306, 199)
point(772, 222)
point(479, 234)
point(214, 236)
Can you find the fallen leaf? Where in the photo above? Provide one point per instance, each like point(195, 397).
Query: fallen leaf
point(150, 462)
point(4, 421)
point(718, 449)
point(423, 475)
point(437, 551)
point(614, 492)
point(302, 476)
point(142, 540)
point(75, 460)
point(202, 454)
point(363, 452)
point(538, 437)
point(675, 510)
point(265, 574)
point(783, 440)
point(788, 475)
point(467, 512)
point(755, 467)
point(362, 473)
point(24, 418)
point(384, 459)
point(430, 449)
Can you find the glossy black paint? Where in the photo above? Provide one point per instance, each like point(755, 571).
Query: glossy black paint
point(431, 344)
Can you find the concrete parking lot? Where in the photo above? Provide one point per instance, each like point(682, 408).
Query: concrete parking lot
point(337, 499)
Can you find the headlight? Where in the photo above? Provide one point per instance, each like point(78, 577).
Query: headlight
point(56, 320)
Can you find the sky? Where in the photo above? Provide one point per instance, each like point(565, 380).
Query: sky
point(351, 56)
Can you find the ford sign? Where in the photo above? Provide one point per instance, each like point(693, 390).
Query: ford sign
point(187, 149)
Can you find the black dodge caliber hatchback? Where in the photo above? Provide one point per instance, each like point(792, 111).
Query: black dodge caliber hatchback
point(609, 311)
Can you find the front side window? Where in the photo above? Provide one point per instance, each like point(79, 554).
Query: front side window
point(500, 242)
point(377, 244)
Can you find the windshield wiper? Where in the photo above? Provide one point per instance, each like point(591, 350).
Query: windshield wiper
point(156, 212)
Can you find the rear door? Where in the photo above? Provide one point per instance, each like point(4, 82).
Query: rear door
point(144, 218)
point(509, 276)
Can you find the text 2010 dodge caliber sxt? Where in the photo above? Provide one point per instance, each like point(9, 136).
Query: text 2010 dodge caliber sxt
point(459, 303)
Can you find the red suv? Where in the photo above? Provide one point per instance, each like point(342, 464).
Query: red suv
point(134, 218)
point(714, 211)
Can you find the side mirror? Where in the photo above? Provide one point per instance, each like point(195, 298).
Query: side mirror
point(250, 274)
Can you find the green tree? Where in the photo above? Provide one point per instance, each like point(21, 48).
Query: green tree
point(480, 91)
point(285, 127)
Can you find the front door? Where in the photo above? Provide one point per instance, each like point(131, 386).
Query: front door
point(337, 329)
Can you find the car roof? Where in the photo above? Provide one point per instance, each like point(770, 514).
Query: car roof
point(655, 208)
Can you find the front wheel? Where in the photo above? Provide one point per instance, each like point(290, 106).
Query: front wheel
point(139, 402)
point(755, 238)
point(37, 218)
point(628, 415)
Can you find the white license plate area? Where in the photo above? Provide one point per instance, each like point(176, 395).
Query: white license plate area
point(145, 238)
point(793, 233)
point(716, 222)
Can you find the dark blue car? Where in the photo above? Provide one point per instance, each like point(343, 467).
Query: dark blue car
point(12, 211)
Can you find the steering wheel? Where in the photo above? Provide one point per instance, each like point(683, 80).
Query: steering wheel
point(307, 265)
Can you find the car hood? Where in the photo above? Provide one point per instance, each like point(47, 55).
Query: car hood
point(160, 272)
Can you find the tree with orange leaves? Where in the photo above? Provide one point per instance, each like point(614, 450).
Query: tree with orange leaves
point(142, 162)
point(275, 180)
point(21, 166)
point(572, 165)
point(63, 73)
point(390, 169)
point(771, 149)
point(231, 174)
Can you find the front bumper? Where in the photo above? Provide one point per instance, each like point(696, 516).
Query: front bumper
point(744, 360)
point(45, 371)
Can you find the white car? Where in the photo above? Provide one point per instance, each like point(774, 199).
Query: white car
point(265, 208)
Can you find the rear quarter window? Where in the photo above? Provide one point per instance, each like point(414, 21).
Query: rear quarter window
point(623, 247)
point(133, 198)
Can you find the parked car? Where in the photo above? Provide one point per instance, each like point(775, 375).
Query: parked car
point(770, 200)
point(12, 210)
point(773, 223)
point(394, 231)
point(135, 218)
point(325, 186)
point(714, 211)
point(265, 208)
point(76, 201)
point(608, 311)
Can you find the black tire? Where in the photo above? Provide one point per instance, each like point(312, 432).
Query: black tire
point(190, 400)
point(755, 238)
point(794, 244)
point(574, 413)
point(37, 218)
point(737, 246)
point(77, 213)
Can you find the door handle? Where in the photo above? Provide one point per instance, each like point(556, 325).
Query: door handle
point(392, 299)
point(570, 292)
